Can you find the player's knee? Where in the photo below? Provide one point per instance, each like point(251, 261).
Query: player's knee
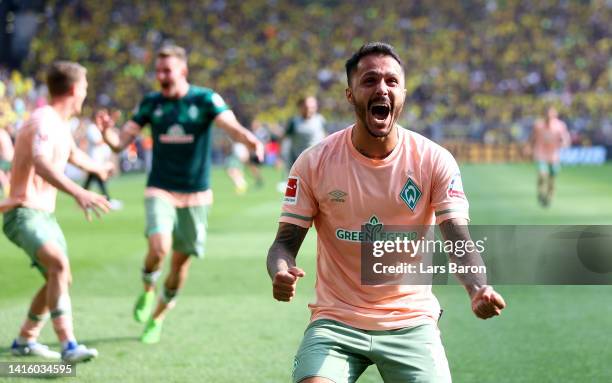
point(158, 250)
point(156, 254)
point(58, 267)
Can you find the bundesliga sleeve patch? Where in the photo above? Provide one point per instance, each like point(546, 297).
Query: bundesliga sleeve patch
point(455, 188)
point(291, 193)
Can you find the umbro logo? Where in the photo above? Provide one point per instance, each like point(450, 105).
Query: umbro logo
point(337, 196)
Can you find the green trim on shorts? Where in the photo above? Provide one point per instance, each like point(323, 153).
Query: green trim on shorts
point(187, 225)
point(30, 229)
point(341, 353)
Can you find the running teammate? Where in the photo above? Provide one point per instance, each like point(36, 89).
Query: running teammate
point(178, 194)
point(43, 147)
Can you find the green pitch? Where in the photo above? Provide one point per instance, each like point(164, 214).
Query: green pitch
point(227, 328)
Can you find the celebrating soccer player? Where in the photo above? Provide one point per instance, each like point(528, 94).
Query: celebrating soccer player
point(373, 168)
point(178, 192)
point(43, 147)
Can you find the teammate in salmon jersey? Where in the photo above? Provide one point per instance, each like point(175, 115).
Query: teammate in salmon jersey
point(371, 172)
point(548, 137)
point(43, 147)
point(178, 194)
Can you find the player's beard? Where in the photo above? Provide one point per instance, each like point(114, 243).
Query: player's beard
point(364, 114)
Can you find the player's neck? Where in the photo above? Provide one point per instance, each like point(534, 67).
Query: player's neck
point(63, 107)
point(376, 148)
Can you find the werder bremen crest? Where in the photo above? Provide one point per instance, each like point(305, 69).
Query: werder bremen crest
point(193, 112)
point(410, 194)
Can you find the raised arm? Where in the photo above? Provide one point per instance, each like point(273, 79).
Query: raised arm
point(117, 141)
point(281, 260)
point(227, 121)
point(486, 302)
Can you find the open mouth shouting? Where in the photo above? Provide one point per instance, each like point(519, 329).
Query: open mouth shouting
point(379, 117)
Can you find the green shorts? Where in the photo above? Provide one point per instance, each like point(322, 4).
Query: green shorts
point(187, 225)
point(341, 353)
point(550, 168)
point(30, 229)
point(5, 165)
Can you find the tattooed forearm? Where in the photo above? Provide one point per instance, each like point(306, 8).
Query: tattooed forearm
point(283, 251)
point(454, 230)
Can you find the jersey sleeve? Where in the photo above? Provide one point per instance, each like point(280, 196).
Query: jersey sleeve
point(215, 104)
point(448, 198)
point(299, 202)
point(142, 114)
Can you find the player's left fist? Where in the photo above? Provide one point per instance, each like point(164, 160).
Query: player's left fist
point(487, 303)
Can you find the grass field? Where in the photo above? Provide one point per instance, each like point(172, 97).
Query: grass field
point(227, 328)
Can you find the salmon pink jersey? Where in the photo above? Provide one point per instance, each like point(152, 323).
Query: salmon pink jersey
point(338, 189)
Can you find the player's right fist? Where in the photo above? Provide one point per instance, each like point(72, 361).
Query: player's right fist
point(284, 282)
point(487, 303)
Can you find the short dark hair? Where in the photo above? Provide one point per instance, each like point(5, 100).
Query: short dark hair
point(372, 48)
point(62, 75)
point(172, 51)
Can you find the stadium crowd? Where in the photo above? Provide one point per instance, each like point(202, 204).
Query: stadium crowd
point(481, 70)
